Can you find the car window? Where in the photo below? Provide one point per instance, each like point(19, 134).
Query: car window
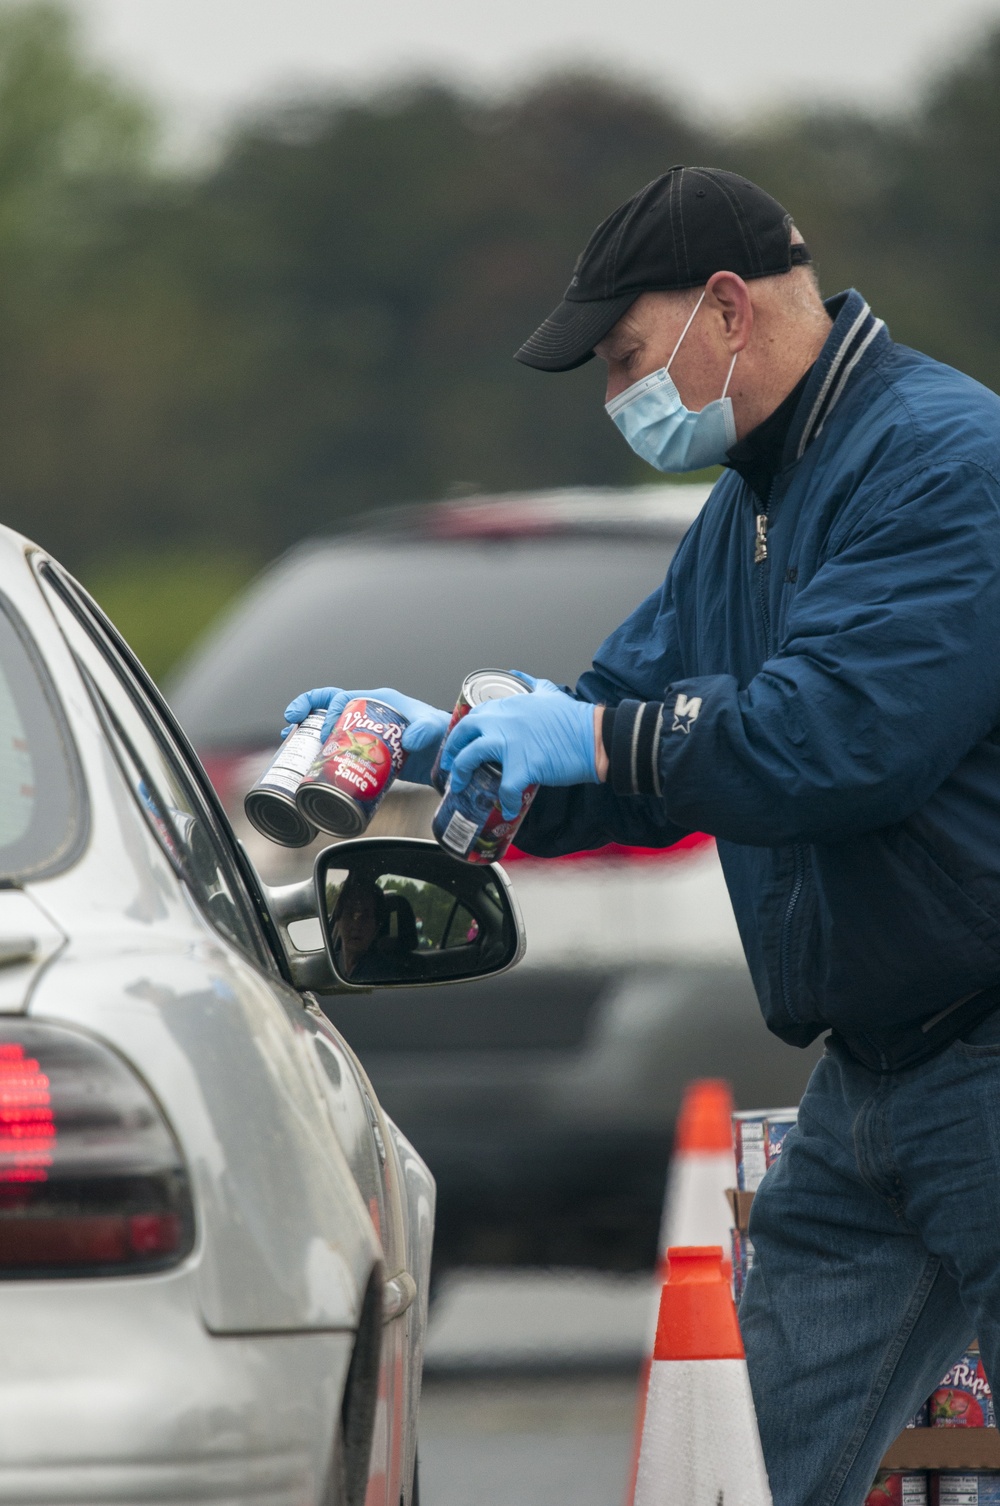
point(42, 805)
point(415, 614)
point(185, 825)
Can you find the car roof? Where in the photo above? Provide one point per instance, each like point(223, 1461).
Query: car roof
point(660, 511)
point(419, 596)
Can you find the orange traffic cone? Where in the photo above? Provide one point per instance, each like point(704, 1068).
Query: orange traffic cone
point(703, 1166)
point(700, 1445)
point(695, 1208)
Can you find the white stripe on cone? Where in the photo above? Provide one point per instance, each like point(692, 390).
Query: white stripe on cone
point(700, 1445)
point(695, 1209)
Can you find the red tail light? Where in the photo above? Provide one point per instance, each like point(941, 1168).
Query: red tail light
point(91, 1178)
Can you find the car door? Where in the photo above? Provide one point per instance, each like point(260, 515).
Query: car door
point(184, 812)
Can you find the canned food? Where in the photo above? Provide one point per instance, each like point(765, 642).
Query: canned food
point(776, 1127)
point(898, 1487)
point(963, 1399)
point(742, 1261)
point(748, 1142)
point(758, 1135)
point(949, 1488)
point(921, 1417)
point(471, 824)
point(270, 805)
point(354, 768)
point(482, 685)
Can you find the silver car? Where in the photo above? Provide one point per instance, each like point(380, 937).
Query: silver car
point(214, 1246)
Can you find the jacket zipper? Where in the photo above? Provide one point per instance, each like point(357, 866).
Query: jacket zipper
point(762, 564)
point(760, 539)
point(763, 568)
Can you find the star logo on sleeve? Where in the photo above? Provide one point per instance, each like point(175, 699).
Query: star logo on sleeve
point(685, 713)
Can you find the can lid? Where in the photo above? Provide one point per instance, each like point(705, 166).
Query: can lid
point(277, 817)
point(492, 685)
point(331, 809)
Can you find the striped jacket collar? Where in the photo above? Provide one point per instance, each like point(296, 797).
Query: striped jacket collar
point(855, 342)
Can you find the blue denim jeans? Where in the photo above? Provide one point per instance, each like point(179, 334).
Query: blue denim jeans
point(876, 1242)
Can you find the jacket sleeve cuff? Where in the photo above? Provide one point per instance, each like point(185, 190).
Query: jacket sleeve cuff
point(631, 736)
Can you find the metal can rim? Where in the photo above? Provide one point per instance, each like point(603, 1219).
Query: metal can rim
point(517, 685)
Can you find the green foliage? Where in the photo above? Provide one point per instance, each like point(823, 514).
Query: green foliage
point(324, 319)
point(161, 600)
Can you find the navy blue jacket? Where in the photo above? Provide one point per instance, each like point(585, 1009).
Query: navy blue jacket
point(821, 692)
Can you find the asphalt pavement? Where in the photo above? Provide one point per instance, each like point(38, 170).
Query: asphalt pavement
point(529, 1390)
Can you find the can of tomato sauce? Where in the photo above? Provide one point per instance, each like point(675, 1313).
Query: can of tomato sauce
point(963, 1399)
point(482, 685)
point(354, 768)
point(270, 805)
point(898, 1487)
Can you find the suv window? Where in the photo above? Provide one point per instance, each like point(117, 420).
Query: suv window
point(418, 615)
point(42, 808)
point(188, 829)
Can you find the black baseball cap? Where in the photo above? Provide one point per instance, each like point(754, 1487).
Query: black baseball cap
point(675, 233)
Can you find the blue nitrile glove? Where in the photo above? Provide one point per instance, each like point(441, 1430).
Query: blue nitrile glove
point(536, 739)
point(542, 687)
point(421, 739)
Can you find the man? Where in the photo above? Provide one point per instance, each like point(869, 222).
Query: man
point(817, 684)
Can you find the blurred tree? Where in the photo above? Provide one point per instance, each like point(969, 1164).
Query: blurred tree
point(323, 320)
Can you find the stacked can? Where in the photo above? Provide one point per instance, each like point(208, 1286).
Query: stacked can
point(758, 1137)
point(354, 768)
point(742, 1261)
point(748, 1144)
point(898, 1487)
point(949, 1488)
point(776, 1127)
point(334, 786)
point(471, 824)
point(963, 1399)
point(270, 805)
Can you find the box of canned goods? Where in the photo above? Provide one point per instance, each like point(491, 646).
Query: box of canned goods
point(270, 805)
point(898, 1487)
point(949, 1488)
point(481, 686)
point(963, 1399)
point(354, 768)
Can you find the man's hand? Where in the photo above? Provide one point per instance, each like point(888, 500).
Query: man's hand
point(421, 739)
point(545, 738)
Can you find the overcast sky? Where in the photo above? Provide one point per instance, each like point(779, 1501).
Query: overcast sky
point(206, 58)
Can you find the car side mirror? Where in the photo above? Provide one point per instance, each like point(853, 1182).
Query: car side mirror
point(398, 912)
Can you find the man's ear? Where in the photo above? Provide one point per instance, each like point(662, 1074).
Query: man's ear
point(730, 297)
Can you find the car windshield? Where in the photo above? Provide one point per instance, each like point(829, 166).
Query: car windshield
point(40, 806)
point(414, 614)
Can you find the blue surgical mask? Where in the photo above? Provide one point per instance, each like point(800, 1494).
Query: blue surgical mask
point(662, 431)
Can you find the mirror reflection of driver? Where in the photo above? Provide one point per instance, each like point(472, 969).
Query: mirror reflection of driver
point(364, 951)
point(359, 917)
